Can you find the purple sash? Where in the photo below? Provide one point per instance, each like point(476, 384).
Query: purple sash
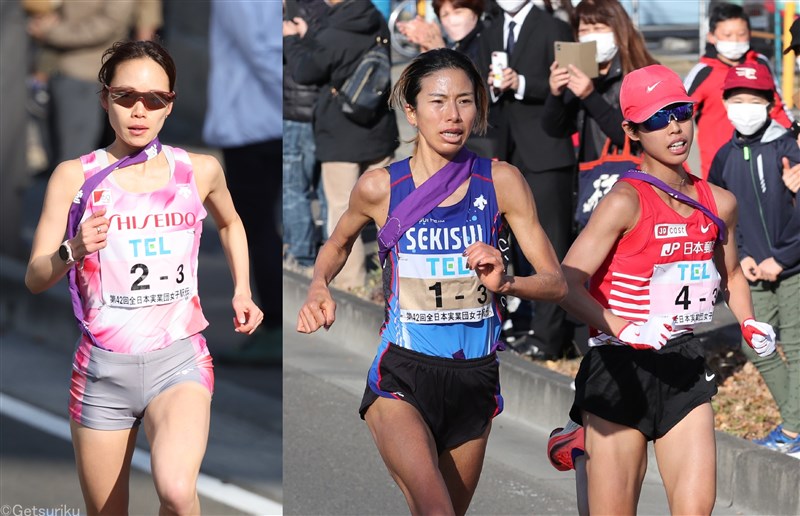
point(78, 207)
point(422, 200)
point(661, 185)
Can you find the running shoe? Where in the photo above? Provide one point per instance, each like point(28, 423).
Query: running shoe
point(565, 445)
point(779, 441)
point(794, 451)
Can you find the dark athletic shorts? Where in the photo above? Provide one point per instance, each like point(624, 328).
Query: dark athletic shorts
point(456, 398)
point(650, 391)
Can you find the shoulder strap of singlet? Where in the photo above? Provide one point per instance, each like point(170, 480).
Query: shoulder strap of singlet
point(401, 181)
point(181, 164)
point(483, 168)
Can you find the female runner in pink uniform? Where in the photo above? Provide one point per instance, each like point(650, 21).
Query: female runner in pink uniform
point(131, 256)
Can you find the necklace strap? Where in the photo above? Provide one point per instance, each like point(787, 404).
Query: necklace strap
point(647, 178)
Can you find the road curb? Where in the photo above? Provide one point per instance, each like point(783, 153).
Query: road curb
point(748, 476)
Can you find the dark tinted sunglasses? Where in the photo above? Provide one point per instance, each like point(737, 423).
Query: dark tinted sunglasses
point(128, 98)
point(663, 117)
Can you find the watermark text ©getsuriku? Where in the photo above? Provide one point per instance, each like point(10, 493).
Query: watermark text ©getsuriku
point(34, 510)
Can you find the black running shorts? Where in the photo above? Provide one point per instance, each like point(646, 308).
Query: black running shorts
point(648, 390)
point(456, 398)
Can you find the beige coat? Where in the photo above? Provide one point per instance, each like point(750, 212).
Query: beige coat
point(75, 45)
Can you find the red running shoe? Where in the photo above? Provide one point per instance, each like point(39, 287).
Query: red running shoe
point(565, 445)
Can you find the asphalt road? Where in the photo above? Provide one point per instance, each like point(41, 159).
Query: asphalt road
point(331, 465)
point(242, 469)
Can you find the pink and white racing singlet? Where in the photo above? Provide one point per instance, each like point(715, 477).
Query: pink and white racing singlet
point(139, 293)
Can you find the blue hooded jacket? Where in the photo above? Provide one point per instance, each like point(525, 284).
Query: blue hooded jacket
point(751, 167)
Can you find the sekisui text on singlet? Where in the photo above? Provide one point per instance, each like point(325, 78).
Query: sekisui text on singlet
point(663, 267)
point(140, 292)
point(434, 304)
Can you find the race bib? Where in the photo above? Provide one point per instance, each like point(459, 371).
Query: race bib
point(685, 291)
point(438, 288)
point(147, 270)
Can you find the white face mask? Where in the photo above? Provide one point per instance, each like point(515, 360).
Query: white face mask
point(732, 50)
point(606, 45)
point(747, 118)
point(458, 25)
point(511, 6)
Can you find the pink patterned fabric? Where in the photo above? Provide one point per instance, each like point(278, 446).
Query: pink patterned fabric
point(139, 294)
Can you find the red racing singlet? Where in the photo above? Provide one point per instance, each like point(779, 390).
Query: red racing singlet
point(663, 267)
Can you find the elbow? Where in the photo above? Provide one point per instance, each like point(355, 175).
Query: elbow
point(32, 285)
point(561, 291)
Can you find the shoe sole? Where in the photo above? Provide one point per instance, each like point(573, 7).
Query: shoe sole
point(559, 450)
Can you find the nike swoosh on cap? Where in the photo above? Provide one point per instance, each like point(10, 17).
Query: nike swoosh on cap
point(651, 88)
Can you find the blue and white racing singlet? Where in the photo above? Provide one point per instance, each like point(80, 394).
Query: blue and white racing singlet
point(434, 304)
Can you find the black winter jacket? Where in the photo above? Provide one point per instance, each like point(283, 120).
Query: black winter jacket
point(299, 99)
point(327, 58)
point(769, 214)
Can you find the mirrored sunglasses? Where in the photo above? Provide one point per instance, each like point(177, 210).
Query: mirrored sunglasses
point(663, 117)
point(128, 98)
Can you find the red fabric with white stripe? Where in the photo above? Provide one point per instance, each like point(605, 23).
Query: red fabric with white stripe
point(622, 283)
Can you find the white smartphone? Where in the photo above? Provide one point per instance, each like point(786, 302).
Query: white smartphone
point(499, 62)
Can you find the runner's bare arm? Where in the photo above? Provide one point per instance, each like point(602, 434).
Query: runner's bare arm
point(216, 197)
point(45, 267)
point(515, 202)
point(735, 289)
point(369, 201)
point(616, 214)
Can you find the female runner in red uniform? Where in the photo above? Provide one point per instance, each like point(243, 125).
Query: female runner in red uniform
point(654, 265)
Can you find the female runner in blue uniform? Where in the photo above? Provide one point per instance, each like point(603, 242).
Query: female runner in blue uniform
point(433, 388)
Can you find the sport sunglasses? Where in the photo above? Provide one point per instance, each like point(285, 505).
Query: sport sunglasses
point(128, 98)
point(663, 117)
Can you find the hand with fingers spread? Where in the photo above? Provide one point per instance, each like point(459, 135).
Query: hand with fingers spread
point(420, 32)
point(92, 235)
point(487, 262)
point(759, 336)
point(651, 334)
point(319, 310)
point(248, 316)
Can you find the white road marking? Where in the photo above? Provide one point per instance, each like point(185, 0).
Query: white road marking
point(208, 486)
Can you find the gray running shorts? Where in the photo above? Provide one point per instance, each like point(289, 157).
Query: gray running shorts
point(111, 391)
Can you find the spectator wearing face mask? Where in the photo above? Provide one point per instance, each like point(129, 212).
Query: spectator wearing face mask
point(527, 35)
point(462, 24)
point(593, 104)
point(727, 44)
point(754, 166)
